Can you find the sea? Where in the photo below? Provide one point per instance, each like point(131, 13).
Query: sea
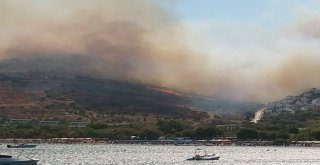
point(117, 154)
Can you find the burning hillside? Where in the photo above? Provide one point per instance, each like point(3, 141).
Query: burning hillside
point(167, 91)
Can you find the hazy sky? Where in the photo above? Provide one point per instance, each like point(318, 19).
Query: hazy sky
point(263, 40)
point(240, 28)
point(257, 50)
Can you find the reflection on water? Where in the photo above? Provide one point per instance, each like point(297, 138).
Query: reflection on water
point(85, 154)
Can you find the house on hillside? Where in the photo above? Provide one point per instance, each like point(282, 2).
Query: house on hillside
point(49, 123)
point(78, 124)
point(316, 103)
point(20, 121)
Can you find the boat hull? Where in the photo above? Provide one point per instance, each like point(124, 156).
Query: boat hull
point(22, 146)
point(12, 161)
point(205, 158)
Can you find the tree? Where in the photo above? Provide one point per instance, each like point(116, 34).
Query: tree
point(149, 134)
point(280, 142)
point(315, 135)
point(208, 132)
point(98, 125)
point(283, 135)
point(173, 126)
point(294, 130)
point(247, 133)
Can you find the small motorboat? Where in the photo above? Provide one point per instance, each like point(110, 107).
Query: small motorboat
point(21, 146)
point(206, 156)
point(11, 160)
point(18, 156)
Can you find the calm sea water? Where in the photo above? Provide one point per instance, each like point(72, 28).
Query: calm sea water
point(86, 154)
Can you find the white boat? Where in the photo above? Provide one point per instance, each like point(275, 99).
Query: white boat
point(206, 156)
point(11, 160)
point(21, 146)
point(20, 156)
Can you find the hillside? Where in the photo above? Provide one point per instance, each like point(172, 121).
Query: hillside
point(50, 88)
point(294, 118)
point(49, 97)
point(308, 100)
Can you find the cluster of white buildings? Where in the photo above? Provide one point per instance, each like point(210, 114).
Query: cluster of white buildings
point(306, 101)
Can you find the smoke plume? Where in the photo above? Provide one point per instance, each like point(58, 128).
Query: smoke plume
point(141, 41)
point(126, 40)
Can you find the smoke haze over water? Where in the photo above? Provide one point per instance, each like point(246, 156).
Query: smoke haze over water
point(143, 40)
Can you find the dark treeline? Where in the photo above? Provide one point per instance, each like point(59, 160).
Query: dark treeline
point(280, 129)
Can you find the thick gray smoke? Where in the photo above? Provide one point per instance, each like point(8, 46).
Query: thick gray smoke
point(142, 41)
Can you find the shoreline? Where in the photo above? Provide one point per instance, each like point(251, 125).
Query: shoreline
point(157, 142)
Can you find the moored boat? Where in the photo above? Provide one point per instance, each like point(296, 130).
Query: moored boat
point(21, 146)
point(205, 156)
point(11, 160)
